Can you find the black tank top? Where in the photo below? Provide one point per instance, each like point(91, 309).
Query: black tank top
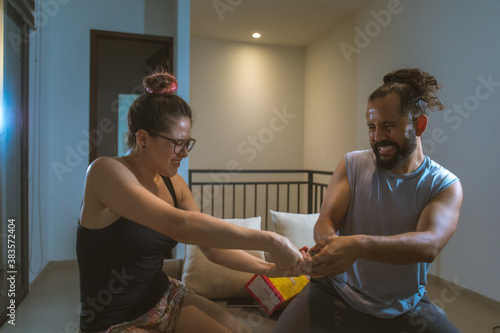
point(121, 274)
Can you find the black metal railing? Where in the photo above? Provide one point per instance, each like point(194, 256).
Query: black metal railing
point(247, 193)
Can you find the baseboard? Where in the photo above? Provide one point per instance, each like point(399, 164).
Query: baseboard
point(466, 292)
point(50, 266)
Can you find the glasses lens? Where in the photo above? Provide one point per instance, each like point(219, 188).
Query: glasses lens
point(190, 144)
point(181, 145)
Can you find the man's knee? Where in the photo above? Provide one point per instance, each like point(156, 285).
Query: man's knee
point(429, 318)
point(295, 317)
point(310, 311)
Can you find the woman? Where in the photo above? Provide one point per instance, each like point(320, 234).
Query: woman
point(135, 208)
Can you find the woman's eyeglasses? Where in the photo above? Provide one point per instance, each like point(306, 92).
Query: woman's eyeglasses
point(179, 145)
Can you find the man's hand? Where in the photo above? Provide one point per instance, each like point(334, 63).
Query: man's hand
point(335, 255)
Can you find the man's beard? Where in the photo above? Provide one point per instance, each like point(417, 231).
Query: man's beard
point(402, 154)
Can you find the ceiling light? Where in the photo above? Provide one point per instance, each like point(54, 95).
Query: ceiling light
point(256, 35)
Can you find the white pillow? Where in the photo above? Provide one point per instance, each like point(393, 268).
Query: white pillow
point(298, 228)
point(215, 281)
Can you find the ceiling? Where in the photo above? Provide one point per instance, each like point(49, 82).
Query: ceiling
point(281, 22)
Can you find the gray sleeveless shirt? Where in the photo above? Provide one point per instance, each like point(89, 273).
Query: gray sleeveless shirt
point(383, 204)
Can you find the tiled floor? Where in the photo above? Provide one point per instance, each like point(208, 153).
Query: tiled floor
point(468, 315)
point(53, 305)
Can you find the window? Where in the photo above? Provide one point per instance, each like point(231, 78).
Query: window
point(17, 20)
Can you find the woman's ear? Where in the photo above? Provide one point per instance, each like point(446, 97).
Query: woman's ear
point(420, 124)
point(141, 137)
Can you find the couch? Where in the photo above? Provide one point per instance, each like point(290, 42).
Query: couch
point(223, 285)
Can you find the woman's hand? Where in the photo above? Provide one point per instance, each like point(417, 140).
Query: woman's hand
point(285, 255)
point(302, 267)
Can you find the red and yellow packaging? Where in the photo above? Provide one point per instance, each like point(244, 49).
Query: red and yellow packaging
point(275, 293)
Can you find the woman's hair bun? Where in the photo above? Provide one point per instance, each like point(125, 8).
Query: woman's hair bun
point(160, 83)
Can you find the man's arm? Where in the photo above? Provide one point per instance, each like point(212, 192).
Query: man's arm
point(335, 204)
point(436, 225)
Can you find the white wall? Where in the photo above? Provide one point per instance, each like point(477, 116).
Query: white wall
point(249, 105)
point(63, 98)
point(457, 41)
point(330, 95)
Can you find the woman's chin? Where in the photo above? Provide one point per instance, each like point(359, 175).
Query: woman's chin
point(169, 172)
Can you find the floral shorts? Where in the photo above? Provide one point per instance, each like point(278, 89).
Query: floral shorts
point(163, 317)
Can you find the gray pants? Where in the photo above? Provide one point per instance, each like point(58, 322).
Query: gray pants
point(318, 308)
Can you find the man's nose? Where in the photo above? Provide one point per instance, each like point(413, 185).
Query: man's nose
point(379, 135)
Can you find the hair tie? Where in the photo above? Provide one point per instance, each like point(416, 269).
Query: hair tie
point(161, 84)
point(170, 89)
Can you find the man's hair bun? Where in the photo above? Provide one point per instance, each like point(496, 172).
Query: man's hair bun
point(160, 83)
point(416, 89)
point(422, 83)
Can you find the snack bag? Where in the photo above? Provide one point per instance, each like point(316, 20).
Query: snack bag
point(275, 293)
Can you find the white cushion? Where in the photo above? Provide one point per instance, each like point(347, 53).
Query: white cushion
point(212, 280)
point(298, 228)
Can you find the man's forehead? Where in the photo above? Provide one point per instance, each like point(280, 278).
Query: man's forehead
point(388, 106)
point(389, 99)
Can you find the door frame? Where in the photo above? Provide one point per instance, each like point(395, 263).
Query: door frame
point(95, 35)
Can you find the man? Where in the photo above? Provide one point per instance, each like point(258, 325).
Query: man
point(386, 215)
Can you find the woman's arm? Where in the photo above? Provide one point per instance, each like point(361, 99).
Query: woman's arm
point(242, 261)
point(238, 260)
point(113, 185)
point(184, 196)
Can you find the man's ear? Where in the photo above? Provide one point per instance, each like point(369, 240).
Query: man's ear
point(420, 123)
